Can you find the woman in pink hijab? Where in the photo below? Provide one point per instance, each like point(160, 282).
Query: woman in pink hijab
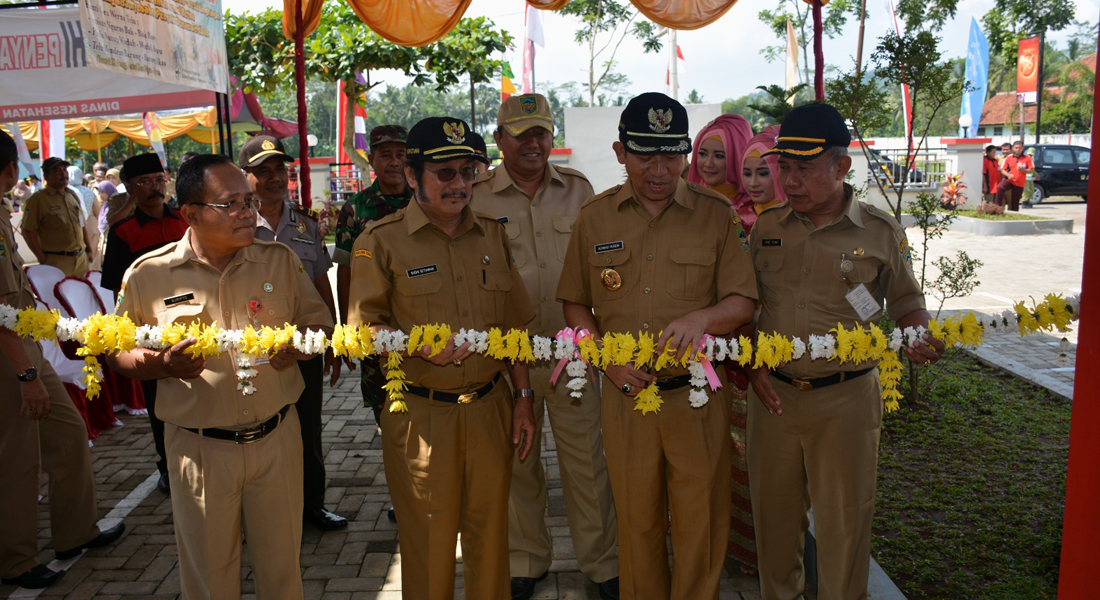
point(716, 162)
point(760, 174)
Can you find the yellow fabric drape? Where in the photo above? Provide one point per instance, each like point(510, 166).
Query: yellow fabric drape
point(409, 22)
point(311, 17)
point(29, 129)
point(90, 142)
point(548, 5)
point(677, 14)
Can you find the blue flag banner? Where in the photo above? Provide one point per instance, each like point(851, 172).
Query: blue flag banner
point(977, 73)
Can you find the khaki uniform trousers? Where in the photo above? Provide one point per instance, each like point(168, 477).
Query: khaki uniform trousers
point(678, 459)
point(58, 445)
point(217, 482)
point(585, 485)
point(448, 468)
point(71, 266)
point(824, 450)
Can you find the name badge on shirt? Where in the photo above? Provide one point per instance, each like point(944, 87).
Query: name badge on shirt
point(417, 272)
point(863, 302)
point(303, 240)
point(502, 219)
point(609, 247)
point(173, 300)
point(772, 242)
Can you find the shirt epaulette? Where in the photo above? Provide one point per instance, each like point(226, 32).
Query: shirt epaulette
point(604, 194)
point(485, 176)
point(703, 190)
point(485, 217)
point(868, 209)
point(163, 250)
point(386, 220)
point(572, 172)
point(307, 212)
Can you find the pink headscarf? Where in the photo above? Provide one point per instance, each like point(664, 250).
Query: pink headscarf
point(734, 132)
point(764, 141)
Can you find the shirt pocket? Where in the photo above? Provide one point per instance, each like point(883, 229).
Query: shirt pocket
point(274, 312)
point(495, 286)
point(611, 276)
point(769, 273)
point(690, 273)
point(183, 314)
point(519, 253)
point(563, 230)
point(864, 270)
point(414, 296)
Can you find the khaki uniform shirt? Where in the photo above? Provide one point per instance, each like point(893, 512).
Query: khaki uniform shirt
point(115, 204)
point(538, 231)
point(405, 271)
point(15, 290)
point(802, 287)
point(170, 285)
point(693, 254)
point(302, 233)
point(56, 218)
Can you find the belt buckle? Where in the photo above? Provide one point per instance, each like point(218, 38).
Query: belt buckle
point(248, 436)
point(802, 384)
point(467, 398)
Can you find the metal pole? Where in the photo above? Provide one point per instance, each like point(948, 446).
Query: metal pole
point(859, 44)
point(1039, 93)
point(674, 78)
point(473, 107)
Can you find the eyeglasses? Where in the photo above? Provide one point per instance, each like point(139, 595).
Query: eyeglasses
point(445, 175)
point(149, 182)
point(235, 207)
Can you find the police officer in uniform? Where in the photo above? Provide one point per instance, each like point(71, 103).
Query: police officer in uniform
point(813, 425)
point(537, 202)
point(669, 258)
point(386, 195)
point(40, 429)
point(448, 458)
point(263, 160)
point(233, 459)
point(52, 223)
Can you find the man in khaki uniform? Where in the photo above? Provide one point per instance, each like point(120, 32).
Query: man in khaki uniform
point(448, 458)
point(668, 258)
point(537, 203)
point(52, 224)
point(230, 455)
point(813, 425)
point(40, 429)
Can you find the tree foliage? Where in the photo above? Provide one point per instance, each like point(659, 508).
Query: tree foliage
point(834, 18)
point(604, 26)
point(778, 101)
point(1009, 21)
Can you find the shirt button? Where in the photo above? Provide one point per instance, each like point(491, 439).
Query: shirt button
point(271, 312)
point(245, 411)
point(650, 257)
point(459, 278)
point(226, 313)
point(765, 263)
point(645, 325)
point(806, 271)
point(652, 225)
point(647, 290)
point(543, 265)
point(465, 313)
point(801, 305)
point(538, 234)
point(609, 261)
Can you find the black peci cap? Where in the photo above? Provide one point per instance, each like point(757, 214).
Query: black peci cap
point(809, 130)
point(439, 139)
point(653, 123)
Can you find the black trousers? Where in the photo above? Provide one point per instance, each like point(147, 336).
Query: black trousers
point(149, 389)
point(309, 414)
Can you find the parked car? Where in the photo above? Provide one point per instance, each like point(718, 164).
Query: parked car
point(1060, 170)
point(893, 169)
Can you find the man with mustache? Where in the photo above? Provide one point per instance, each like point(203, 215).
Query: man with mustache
point(52, 223)
point(152, 225)
point(234, 459)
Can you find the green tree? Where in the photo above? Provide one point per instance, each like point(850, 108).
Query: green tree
point(1009, 21)
point(1070, 111)
point(604, 26)
point(835, 16)
point(740, 106)
point(778, 101)
point(694, 97)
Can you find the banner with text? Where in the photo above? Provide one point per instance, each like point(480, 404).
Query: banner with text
point(47, 74)
point(1028, 70)
point(181, 42)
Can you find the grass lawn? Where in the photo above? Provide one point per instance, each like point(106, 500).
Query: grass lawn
point(971, 486)
point(1008, 216)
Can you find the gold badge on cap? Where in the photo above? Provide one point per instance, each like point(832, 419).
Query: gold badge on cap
point(455, 132)
point(660, 119)
point(611, 279)
point(268, 145)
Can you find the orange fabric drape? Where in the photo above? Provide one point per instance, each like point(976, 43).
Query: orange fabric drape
point(408, 22)
point(548, 5)
point(311, 17)
point(677, 14)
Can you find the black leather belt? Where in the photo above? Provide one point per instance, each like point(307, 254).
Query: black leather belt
point(73, 253)
point(452, 397)
point(244, 436)
point(673, 383)
point(820, 382)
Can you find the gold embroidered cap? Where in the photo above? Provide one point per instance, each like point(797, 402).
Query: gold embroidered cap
point(809, 130)
point(439, 139)
point(524, 111)
point(653, 123)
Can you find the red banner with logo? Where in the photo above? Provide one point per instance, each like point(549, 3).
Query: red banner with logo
point(1028, 68)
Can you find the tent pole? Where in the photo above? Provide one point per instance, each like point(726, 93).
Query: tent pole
point(300, 82)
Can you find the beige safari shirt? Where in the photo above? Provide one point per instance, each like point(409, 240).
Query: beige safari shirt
point(56, 218)
point(538, 231)
point(15, 290)
point(171, 285)
point(802, 287)
point(405, 271)
point(693, 254)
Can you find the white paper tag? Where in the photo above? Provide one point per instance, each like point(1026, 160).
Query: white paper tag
point(261, 360)
point(863, 302)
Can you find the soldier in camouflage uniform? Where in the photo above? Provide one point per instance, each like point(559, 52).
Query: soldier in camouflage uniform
point(388, 194)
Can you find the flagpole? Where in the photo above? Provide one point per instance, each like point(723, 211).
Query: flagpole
point(674, 82)
point(532, 43)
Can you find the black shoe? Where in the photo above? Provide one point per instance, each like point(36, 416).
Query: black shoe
point(162, 485)
point(35, 579)
point(609, 590)
point(392, 516)
point(324, 520)
point(524, 587)
point(105, 538)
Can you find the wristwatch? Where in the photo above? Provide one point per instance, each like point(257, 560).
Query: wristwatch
point(524, 393)
point(29, 375)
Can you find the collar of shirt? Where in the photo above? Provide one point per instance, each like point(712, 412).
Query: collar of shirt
point(851, 211)
point(503, 178)
point(49, 191)
point(376, 197)
point(415, 219)
point(184, 253)
point(143, 218)
point(681, 196)
point(284, 219)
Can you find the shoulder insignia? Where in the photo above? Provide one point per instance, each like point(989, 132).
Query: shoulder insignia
point(363, 254)
point(307, 212)
point(906, 252)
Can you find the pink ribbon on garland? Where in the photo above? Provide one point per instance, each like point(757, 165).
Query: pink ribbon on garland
point(708, 368)
point(566, 335)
